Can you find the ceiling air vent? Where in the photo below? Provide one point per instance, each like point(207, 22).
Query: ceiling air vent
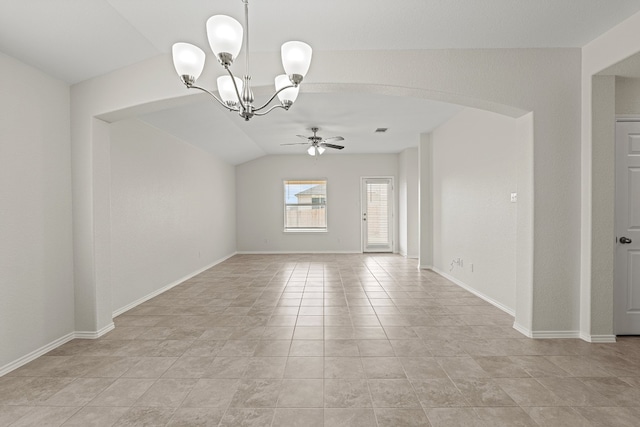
point(381, 130)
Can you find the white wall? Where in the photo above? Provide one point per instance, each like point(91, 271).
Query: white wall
point(260, 200)
point(425, 201)
point(408, 212)
point(36, 254)
point(542, 82)
point(474, 157)
point(172, 210)
point(599, 107)
point(627, 96)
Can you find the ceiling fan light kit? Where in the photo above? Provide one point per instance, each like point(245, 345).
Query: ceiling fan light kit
point(225, 36)
point(318, 144)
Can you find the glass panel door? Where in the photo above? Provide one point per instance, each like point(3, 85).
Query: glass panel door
point(377, 214)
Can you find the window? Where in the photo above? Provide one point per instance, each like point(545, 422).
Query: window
point(305, 205)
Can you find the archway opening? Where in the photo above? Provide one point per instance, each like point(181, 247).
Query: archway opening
point(522, 125)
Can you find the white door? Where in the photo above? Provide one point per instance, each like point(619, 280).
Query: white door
point(377, 214)
point(627, 253)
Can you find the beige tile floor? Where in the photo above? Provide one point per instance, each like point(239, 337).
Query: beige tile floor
point(323, 340)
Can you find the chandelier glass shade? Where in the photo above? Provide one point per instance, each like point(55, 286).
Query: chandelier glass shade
point(226, 37)
point(227, 91)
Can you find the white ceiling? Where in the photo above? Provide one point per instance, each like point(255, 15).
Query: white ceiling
point(78, 39)
point(75, 40)
point(354, 116)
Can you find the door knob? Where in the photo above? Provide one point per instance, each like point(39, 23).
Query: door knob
point(625, 240)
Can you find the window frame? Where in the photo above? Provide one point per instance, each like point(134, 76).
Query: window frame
point(324, 229)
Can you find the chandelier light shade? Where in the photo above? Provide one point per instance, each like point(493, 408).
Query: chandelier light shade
point(296, 58)
point(286, 95)
point(227, 90)
point(188, 60)
point(312, 150)
point(226, 37)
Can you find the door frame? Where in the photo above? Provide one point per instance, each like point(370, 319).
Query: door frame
point(393, 211)
point(616, 273)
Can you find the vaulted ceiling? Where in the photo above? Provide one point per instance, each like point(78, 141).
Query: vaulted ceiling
point(74, 40)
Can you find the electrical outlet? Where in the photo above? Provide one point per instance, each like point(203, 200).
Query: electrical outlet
point(514, 197)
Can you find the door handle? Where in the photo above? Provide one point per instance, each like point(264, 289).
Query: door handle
point(625, 240)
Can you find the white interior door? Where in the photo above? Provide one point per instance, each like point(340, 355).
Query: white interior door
point(627, 254)
point(377, 214)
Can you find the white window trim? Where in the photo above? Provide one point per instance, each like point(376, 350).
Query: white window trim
point(284, 210)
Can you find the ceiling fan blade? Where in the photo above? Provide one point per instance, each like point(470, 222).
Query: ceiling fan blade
point(302, 136)
point(334, 139)
point(296, 143)
point(337, 147)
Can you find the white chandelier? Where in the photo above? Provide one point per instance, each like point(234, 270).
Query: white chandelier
point(225, 38)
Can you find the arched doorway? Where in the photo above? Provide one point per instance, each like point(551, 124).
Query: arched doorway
point(90, 142)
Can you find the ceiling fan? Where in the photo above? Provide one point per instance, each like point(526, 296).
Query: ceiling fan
point(318, 143)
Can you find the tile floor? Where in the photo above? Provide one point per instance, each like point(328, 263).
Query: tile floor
point(323, 340)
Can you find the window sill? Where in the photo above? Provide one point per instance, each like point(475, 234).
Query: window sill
point(305, 230)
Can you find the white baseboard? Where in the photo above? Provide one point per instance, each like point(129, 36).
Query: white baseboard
point(555, 334)
point(295, 252)
point(524, 331)
point(564, 334)
point(408, 256)
point(11, 366)
point(598, 338)
point(165, 288)
point(477, 293)
point(92, 335)
point(426, 267)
